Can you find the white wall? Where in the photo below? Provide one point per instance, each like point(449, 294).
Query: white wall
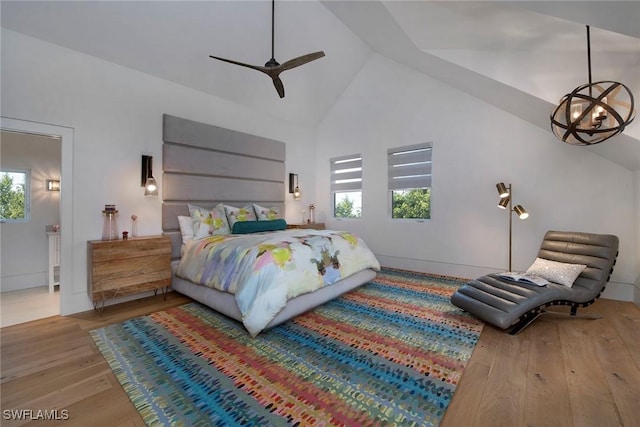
point(24, 244)
point(116, 116)
point(475, 146)
point(637, 225)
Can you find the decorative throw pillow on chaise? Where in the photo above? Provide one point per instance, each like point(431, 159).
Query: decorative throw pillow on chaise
point(557, 272)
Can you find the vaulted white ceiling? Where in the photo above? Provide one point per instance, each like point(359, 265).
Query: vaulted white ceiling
point(521, 56)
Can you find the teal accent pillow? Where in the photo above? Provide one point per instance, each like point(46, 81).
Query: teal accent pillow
point(246, 227)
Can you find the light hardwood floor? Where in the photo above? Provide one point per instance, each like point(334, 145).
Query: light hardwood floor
point(28, 304)
point(558, 372)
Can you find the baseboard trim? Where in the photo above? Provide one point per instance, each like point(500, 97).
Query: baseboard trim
point(24, 281)
point(619, 291)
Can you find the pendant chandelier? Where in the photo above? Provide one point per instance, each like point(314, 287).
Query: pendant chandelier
point(593, 112)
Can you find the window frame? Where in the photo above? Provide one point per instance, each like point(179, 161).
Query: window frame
point(410, 170)
point(351, 171)
point(27, 195)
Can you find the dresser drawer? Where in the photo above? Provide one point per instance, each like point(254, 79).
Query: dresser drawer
point(122, 267)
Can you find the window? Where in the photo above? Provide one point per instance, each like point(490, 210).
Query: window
point(409, 171)
point(346, 186)
point(14, 195)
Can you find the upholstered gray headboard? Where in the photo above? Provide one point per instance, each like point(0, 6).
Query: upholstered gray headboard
point(206, 165)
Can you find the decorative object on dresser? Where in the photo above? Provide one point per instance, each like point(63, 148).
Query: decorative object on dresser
point(311, 225)
point(122, 267)
point(134, 225)
point(110, 225)
point(312, 213)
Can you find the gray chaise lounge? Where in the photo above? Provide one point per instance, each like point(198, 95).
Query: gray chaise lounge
point(513, 306)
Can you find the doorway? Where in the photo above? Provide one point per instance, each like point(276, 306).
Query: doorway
point(65, 137)
point(29, 166)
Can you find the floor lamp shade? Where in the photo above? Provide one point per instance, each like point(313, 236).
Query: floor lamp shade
point(519, 210)
point(506, 198)
point(502, 190)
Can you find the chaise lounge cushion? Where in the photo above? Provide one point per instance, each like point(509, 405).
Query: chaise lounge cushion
point(504, 303)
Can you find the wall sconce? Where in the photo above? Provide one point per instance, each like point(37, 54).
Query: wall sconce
point(593, 112)
point(293, 186)
point(53, 185)
point(147, 180)
point(506, 196)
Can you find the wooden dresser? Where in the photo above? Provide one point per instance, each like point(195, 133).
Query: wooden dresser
point(121, 267)
point(312, 225)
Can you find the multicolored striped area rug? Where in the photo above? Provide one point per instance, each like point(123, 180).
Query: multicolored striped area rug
point(388, 353)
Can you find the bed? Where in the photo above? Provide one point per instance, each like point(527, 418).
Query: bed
point(208, 168)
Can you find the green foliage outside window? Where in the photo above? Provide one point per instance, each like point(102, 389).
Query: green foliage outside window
point(12, 198)
point(414, 204)
point(345, 209)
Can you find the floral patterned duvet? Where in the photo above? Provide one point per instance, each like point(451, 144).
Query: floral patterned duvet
point(265, 270)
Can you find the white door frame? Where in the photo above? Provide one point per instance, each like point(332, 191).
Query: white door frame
point(66, 198)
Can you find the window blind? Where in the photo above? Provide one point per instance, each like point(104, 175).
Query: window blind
point(409, 167)
point(346, 173)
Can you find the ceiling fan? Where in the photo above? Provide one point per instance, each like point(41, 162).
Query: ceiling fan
point(272, 68)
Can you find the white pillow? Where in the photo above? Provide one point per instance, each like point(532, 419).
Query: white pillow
point(209, 222)
point(266, 214)
point(186, 228)
point(558, 272)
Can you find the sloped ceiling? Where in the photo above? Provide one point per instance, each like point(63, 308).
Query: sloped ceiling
point(173, 40)
point(521, 56)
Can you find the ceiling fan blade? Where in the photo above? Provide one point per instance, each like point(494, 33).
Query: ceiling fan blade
point(242, 64)
point(272, 72)
point(279, 86)
point(272, 68)
point(301, 60)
